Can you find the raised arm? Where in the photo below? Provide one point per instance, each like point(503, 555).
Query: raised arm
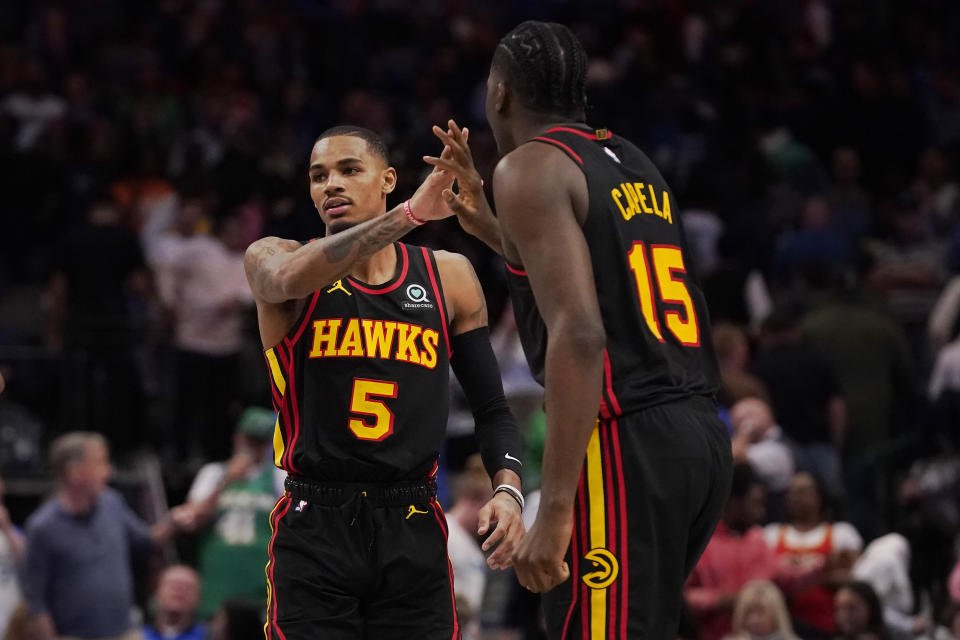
point(470, 202)
point(539, 213)
point(282, 270)
point(498, 437)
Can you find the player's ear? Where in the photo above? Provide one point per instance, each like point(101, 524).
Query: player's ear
point(389, 180)
point(501, 97)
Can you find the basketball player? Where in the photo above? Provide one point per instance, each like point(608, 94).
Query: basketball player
point(614, 324)
point(358, 332)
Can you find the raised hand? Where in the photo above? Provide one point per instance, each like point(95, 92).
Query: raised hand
point(470, 202)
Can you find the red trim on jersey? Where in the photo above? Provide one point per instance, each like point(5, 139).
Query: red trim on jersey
point(403, 276)
point(582, 134)
point(608, 501)
point(584, 547)
point(442, 521)
point(515, 271)
point(273, 563)
point(562, 146)
point(282, 406)
point(436, 294)
point(292, 384)
point(624, 566)
point(608, 380)
point(306, 317)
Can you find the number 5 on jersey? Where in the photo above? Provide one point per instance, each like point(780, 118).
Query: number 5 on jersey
point(667, 261)
point(364, 402)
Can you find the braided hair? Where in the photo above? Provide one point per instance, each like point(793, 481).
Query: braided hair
point(546, 65)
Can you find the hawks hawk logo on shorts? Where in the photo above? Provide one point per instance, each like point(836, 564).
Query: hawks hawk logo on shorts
point(606, 568)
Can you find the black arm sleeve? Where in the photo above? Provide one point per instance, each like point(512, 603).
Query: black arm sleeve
point(476, 368)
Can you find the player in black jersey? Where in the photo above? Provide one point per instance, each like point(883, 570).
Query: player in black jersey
point(636, 466)
point(359, 334)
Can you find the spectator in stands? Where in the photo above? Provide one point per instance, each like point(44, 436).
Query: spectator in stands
point(908, 267)
point(100, 269)
point(758, 440)
point(805, 396)
point(77, 577)
point(885, 566)
point(237, 619)
point(870, 358)
point(849, 202)
point(761, 614)
point(815, 243)
point(471, 492)
point(11, 556)
point(858, 614)
point(176, 600)
point(205, 289)
point(809, 538)
point(229, 504)
point(735, 555)
point(733, 356)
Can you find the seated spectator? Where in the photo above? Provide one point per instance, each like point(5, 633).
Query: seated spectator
point(229, 503)
point(78, 578)
point(761, 614)
point(858, 614)
point(805, 396)
point(815, 244)
point(735, 555)
point(733, 355)
point(885, 566)
point(953, 585)
point(471, 491)
point(809, 538)
point(758, 440)
point(177, 597)
point(237, 619)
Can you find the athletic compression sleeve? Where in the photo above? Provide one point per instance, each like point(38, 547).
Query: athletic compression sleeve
point(476, 368)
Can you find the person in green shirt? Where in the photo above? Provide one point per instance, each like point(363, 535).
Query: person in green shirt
point(229, 505)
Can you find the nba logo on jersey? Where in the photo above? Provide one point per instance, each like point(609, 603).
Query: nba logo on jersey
point(417, 296)
point(610, 153)
point(301, 506)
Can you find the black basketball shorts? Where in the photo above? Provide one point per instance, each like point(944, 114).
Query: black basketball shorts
point(351, 561)
point(653, 486)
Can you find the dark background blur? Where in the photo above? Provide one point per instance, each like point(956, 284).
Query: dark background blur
point(812, 146)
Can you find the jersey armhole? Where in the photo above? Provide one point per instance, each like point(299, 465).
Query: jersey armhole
point(433, 271)
point(573, 155)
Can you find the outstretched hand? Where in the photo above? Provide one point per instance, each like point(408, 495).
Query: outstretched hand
point(428, 202)
point(469, 203)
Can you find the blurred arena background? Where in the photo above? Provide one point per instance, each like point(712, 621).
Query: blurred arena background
point(813, 146)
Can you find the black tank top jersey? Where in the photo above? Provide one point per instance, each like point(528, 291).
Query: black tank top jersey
point(654, 312)
point(360, 385)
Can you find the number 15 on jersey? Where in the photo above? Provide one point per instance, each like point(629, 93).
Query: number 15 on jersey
point(667, 262)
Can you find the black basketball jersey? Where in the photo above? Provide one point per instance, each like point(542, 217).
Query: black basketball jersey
point(360, 385)
point(654, 312)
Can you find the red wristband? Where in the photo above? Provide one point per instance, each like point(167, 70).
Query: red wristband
point(407, 211)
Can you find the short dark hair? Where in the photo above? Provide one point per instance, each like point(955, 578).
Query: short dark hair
point(374, 142)
point(547, 66)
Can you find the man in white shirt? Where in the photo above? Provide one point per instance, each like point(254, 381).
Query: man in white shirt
point(203, 284)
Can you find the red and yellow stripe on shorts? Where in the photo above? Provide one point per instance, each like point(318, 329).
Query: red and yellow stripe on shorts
point(599, 542)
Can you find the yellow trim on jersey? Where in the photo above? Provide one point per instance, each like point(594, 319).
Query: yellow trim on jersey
point(278, 445)
point(276, 372)
point(598, 530)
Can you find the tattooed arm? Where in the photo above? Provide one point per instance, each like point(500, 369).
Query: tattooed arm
point(280, 270)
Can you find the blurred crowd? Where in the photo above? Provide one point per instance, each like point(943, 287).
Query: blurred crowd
point(813, 146)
